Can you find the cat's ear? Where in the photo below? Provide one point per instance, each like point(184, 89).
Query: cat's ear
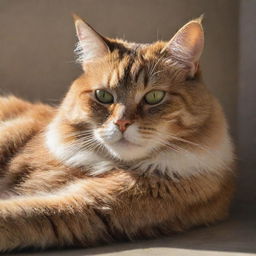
point(187, 45)
point(91, 44)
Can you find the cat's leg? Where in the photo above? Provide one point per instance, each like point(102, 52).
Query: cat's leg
point(45, 221)
point(68, 217)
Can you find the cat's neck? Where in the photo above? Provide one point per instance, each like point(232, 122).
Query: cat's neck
point(185, 163)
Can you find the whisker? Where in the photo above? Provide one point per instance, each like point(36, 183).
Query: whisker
point(155, 65)
point(157, 72)
point(203, 147)
point(182, 149)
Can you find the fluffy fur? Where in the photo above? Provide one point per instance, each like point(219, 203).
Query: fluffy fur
point(71, 177)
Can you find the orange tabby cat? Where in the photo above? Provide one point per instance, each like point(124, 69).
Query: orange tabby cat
point(138, 148)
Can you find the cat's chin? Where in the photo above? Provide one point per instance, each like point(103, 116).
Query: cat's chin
point(127, 151)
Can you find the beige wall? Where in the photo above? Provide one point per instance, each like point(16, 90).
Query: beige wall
point(247, 102)
point(37, 40)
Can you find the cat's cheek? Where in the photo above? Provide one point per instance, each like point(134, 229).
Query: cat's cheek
point(96, 112)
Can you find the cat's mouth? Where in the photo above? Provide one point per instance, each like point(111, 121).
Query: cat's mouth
point(126, 149)
point(124, 142)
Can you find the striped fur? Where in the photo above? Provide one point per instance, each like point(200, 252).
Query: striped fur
point(69, 177)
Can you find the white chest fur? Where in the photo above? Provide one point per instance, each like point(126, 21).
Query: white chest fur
point(183, 162)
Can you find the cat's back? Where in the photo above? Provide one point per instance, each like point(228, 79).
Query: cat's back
point(20, 121)
point(12, 108)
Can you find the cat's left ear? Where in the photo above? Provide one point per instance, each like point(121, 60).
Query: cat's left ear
point(187, 45)
point(91, 44)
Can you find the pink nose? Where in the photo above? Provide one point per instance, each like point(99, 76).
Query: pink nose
point(123, 124)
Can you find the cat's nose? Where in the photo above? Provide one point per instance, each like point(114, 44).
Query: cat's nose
point(123, 124)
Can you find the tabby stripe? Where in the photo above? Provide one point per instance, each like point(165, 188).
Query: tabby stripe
point(104, 219)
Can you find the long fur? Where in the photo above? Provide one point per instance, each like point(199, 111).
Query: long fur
point(69, 177)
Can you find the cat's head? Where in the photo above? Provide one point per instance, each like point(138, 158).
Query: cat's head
point(135, 99)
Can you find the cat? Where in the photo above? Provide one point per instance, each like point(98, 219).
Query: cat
point(138, 148)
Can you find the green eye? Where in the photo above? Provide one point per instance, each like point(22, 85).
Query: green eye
point(104, 96)
point(154, 97)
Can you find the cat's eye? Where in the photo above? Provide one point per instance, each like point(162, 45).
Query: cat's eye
point(154, 97)
point(104, 96)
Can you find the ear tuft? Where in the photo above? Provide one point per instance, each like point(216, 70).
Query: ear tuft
point(91, 45)
point(200, 19)
point(75, 17)
point(187, 45)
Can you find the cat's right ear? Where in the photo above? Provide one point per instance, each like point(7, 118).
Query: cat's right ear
point(187, 45)
point(91, 44)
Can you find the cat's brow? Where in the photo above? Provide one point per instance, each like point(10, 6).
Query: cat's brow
point(121, 74)
point(113, 78)
point(87, 91)
point(137, 73)
point(127, 72)
point(141, 77)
